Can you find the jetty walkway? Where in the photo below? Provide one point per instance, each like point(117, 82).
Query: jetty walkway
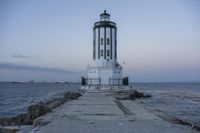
point(98, 111)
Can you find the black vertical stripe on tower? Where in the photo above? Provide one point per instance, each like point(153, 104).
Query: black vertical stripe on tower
point(104, 42)
point(98, 43)
point(110, 43)
point(94, 44)
point(115, 43)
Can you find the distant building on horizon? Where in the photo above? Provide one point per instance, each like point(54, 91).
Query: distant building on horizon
point(105, 69)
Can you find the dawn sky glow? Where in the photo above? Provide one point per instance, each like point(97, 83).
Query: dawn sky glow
point(159, 41)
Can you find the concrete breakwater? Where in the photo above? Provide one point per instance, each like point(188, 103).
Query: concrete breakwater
point(37, 110)
point(106, 110)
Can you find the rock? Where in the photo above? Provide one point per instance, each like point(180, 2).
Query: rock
point(40, 122)
point(54, 104)
point(137, 94)
point(147, 95)
point(122, 97)
point(37, 122)
point(92, 122)
point(4, 130)
point(37, 110)
point(130, 94)
point(71, 95)
point(18, 120)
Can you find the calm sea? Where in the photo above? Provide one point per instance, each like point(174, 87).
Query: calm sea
point(16, 97)
point(178, 99)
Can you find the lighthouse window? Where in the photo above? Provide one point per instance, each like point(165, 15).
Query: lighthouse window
point(101, 52)
point(101, 41)
point(107, 41)
point(108, 52)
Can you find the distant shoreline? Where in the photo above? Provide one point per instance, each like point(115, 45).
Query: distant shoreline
point(188, 82)
point(35, 82)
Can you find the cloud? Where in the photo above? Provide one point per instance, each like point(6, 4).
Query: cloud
point(25, 72)
point(19, 56)
point(31, 67)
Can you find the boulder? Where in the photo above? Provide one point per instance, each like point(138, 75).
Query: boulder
point(71, 95)
point(130, 94)
point(18, 120)
point(37, 110)
point(40, 122)
point(137, 94)
point(4, 130)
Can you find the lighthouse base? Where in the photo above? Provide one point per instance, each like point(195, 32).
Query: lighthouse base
point(104, 76)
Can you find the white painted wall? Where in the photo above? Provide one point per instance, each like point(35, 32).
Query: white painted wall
point(104, 73)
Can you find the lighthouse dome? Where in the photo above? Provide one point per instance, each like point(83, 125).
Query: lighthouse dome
point(105, 16)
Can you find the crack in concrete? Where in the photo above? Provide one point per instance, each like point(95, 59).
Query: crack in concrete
point(124, 109)
point(103, 114)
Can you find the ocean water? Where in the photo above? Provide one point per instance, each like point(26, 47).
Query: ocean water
point(181, 100)
point(16, 97)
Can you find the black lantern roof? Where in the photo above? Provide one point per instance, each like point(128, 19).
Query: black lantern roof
point(105, 13)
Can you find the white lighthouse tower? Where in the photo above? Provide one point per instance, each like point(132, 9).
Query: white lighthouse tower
point(105, 69)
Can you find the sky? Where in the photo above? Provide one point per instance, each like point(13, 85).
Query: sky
point(51, 40)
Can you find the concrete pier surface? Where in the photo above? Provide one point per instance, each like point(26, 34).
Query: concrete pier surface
point(97, 111)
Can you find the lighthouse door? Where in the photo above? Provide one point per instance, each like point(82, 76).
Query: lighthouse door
point(105, 75)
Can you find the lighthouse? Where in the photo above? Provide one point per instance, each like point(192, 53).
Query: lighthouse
point(105, 69)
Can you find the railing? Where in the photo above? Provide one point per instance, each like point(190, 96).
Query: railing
point(105, 23)
point(115, 81)
point(98, 82)
point(93, 81)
